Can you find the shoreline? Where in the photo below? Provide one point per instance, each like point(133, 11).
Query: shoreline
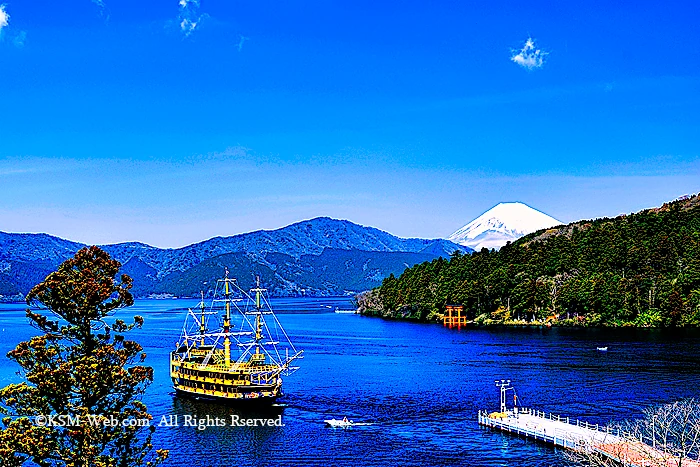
point(15, 301)
point(521, 325)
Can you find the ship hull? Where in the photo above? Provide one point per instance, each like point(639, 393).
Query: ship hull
point(239, 402)
point(231, 384)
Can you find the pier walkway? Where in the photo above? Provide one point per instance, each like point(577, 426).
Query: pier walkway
point(580, 436)
point(552, 429)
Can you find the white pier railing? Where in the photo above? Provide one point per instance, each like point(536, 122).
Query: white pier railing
point(550, 428)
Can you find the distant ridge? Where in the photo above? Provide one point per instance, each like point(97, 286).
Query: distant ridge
point(505, 222)
point(25, 259)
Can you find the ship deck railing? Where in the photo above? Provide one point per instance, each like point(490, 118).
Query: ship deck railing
point(219, 366)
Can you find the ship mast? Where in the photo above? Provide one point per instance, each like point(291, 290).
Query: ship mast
point(227, 323)
point(202, 329)
point(258, 323)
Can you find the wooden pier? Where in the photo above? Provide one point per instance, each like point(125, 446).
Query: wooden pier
point(580, 436)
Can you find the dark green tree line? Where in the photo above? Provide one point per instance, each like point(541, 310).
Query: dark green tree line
point(641, 269)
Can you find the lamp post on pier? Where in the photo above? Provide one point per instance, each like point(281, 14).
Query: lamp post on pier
point(504, 384)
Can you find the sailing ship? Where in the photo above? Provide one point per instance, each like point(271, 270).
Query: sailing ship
point(234, 349)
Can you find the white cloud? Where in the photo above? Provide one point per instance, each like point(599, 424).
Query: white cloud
point(19, 39)
point(529, 56)
point(4, 17)
point(104, 12)
point(189, 16)
point(187, 26)
point(239, 46)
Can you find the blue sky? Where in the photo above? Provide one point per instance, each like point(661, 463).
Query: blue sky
point(170, 122)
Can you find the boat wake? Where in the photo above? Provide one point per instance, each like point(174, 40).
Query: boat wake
point(344, 423)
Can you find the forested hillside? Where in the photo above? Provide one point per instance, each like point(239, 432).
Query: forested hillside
point(641, 269)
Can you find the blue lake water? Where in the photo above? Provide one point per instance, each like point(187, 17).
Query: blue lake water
point(420, 386)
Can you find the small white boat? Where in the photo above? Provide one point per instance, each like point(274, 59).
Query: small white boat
point(344, 423)
point(346, 312)
point(602, 349)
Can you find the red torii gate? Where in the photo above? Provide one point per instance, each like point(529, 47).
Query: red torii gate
point(454, 316)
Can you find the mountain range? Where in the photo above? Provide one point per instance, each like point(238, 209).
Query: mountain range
point(505, 222)
point(320, 256)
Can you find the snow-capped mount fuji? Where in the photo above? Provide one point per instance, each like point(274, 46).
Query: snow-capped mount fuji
point(502, 223)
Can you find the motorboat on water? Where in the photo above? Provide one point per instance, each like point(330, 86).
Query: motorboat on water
point(344, 423)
